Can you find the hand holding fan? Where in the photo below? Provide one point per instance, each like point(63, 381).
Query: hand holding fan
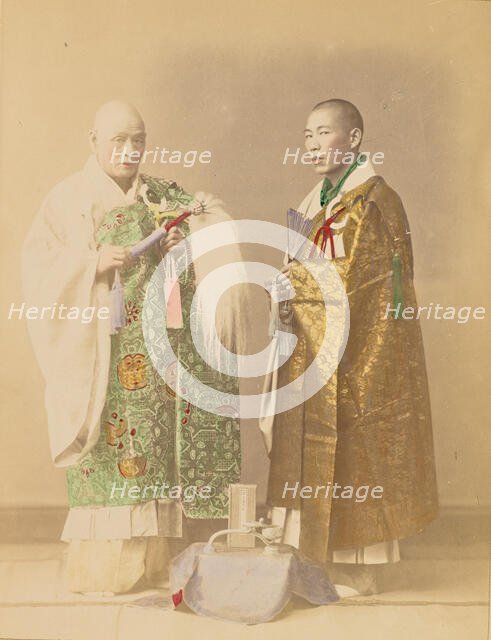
point(299, 228)
point(299, 223)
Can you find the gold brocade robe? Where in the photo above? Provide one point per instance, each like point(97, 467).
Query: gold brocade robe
point(371, 423)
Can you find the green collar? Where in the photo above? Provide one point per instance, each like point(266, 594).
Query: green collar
point(329, 192)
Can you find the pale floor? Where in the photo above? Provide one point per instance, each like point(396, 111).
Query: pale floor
point(428, 596)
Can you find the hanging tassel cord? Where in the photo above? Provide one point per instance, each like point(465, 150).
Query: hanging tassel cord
point(117, 313)
point(324, 233)
point(172, 286)
point(173, 292)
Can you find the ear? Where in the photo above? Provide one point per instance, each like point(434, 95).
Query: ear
point(93, 140)
point(355, 137)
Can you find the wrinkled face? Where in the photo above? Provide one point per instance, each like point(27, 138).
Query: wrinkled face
point(118, 143)
point(329, 138)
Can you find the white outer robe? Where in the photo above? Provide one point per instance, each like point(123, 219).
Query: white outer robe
point(59, 263)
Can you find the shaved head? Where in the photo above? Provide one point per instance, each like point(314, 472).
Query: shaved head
point(118, 140)
point(333, 135)
point(346, 113)
point(112, 113)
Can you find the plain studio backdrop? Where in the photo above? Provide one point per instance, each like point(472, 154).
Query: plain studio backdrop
point(238, 79)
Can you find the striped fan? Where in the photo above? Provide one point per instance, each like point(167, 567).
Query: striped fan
point(302, 225)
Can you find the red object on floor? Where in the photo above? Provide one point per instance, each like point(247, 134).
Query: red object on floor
point(177, 598)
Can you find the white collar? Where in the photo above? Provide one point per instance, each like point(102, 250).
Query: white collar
point(106, 184)
point(310, 206)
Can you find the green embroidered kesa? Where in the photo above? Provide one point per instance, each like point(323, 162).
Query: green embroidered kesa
point(151, 437)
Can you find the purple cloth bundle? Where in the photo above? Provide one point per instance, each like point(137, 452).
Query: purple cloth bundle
point(246, 585)
point(140, 247)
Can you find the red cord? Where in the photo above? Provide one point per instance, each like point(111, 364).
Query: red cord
point(178, 220)
point(326, 232)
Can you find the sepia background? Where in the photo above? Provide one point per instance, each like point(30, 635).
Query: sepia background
point(238, 79)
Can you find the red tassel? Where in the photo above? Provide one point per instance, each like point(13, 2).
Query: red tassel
point(177, 598)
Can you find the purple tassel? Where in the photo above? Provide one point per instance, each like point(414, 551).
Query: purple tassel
point(117, 305)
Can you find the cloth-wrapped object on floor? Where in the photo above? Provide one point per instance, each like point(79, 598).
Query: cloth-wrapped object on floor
point(248, 586)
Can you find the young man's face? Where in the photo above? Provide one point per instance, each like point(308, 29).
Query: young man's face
point(328, 138)
point(118, 146)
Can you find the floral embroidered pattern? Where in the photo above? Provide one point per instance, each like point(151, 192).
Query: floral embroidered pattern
point(114, 429)
point(117, 222)
point(132, 371)
point(149, 435)
point(132, 312)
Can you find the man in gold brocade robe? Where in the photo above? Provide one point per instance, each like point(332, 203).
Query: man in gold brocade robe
point(370, 425)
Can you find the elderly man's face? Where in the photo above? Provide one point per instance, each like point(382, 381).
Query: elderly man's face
point(118, 143)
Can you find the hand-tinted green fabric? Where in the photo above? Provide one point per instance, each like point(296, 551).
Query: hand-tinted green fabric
point(149, 436)
point(330, 191)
